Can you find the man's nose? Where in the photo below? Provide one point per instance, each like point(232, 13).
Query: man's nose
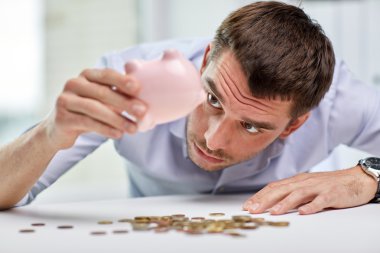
point(218, 134)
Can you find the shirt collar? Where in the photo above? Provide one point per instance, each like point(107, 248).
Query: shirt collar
point(178, 129)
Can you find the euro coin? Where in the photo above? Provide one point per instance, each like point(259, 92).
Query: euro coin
point(26, 230)
point(98, 233)
point(278, 223)
point(216, 214)
point(65, 227)
point(120, 231)
point(105, 222)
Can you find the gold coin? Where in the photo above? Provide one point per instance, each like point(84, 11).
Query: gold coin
point(98, 233)
point(154, 218)
point(235, 234)
point(278, 223)
point(198, 218)
point(105, 222)
point(65, 227)
point(26, 230)
point(258, 220)
point(125, 220)
point(142, 219)
point(249, 226)
point(241, 218)
point(140, 226)
point(216, 214)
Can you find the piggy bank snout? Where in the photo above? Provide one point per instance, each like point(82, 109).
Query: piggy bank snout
point(171, 54)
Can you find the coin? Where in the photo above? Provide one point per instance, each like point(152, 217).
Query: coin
point(194, 226)
point(216, 214)
point(38, 224)
point(234, 234)
point(140, 226)
point(125, 220)
point(105, 222)
point(241, 218)
point(198, 218)
point(278, 223)
point(65, 227)
point(26, 230)
point(249, 226)
point(120, 231)
point(178, 215)
point(98, 233)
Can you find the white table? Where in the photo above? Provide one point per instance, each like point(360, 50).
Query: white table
point(348, 230)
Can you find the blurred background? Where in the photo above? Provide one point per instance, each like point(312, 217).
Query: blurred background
point(43, 43)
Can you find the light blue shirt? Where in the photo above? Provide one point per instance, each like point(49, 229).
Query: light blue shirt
point(158, 163)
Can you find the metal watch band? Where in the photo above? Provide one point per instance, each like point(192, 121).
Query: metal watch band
point(369, 170)
point(376, 199)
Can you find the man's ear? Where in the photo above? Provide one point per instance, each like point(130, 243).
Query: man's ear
point(294, 125)
point(205, 57)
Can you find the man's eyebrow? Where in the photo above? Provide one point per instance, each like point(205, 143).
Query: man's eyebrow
point(258, 124)
point(211, 84)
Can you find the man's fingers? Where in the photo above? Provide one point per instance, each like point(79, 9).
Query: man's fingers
point(265, 199)
point(97, 126)
point(321, 202)
point(274, 185)
point(104, 94)
point(123, 83)
point(97, 111)
point(293, 200)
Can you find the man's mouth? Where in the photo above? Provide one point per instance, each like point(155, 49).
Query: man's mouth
point(203, 154)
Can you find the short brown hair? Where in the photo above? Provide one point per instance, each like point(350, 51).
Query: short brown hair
point(282, 52)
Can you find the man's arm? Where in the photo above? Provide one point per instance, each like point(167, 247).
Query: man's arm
point(353, 121)
point(19, 168)
point(88, 103)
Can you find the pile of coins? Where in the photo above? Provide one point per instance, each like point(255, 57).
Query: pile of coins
point(182, 223)
point(200, 225)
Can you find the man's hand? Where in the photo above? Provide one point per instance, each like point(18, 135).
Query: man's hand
point(313, 192)
point(94, 102)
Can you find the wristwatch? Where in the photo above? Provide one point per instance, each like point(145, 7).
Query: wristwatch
point(371, 166)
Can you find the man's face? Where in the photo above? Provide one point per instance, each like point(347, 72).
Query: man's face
point(232, 126)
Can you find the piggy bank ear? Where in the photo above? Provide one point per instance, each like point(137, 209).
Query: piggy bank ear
point(171, 54)
point(132, 66)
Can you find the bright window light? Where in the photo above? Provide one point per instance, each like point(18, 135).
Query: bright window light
point(21, 61)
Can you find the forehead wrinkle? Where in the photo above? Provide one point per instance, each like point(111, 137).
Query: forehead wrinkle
point(239, 92)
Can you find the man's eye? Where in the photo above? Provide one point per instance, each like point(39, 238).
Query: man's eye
point(250, 128)
point(213, 101)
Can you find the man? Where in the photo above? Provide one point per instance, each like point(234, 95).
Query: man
point(270, 115)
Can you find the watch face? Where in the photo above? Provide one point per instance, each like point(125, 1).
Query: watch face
point(373, 162)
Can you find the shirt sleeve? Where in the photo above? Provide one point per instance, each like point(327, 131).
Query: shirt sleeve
point(62, 162)
point(355, 115)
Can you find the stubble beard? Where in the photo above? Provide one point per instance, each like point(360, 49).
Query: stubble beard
point(228, 160)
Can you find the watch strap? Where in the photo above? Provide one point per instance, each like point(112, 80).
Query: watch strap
point(376, 199)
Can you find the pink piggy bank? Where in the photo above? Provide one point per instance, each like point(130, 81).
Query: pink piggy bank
point(171, 86)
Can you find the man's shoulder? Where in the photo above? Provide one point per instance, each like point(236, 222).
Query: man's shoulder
point(192, 48)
